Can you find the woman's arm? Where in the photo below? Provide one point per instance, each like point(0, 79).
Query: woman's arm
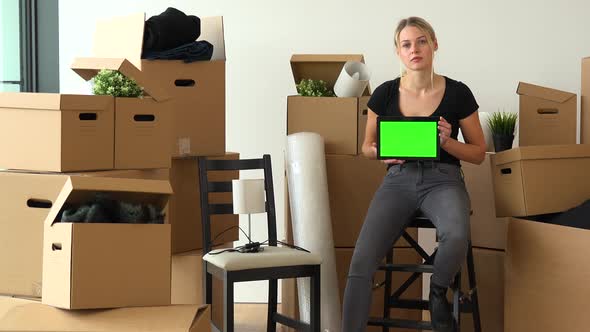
point(370, 135)
point(474, 148)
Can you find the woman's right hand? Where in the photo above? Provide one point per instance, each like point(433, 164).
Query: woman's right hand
point(385, 161)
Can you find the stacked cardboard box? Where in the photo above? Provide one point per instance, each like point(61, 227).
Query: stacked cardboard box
point(63, 149)
point(488, 238)
point(352, 178)
point(543, 177)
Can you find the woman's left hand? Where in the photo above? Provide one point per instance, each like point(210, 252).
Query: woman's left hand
point(444, 129)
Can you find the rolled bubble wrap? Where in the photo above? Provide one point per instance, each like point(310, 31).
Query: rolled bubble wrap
point(312, 226)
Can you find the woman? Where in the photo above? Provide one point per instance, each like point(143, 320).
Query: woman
point(436, 189)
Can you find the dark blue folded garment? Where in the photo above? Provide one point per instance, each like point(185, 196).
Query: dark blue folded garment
point(195, 51)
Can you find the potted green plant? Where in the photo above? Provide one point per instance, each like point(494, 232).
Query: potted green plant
point(502, 125)
point(314, 88)
point(113, 83)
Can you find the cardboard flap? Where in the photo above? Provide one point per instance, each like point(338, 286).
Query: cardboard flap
point(212, 31)
point(326, 67)
point(122, 37)
point(53, 101)
point(82, 188)
point(87, 68)
point(27, 315)
point(543, 92)
point(542, 152)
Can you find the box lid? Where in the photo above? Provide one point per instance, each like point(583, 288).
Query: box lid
point(122, 37)
point(80, 189)
point(53, 101)
point(87, 68)
point(542, 152)
point(29, 315)
point(326, 67)
point(543, 92)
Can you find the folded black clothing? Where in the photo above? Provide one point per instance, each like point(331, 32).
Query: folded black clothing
point(578, 217)
point(170, 29)
point(195, 51)
point(102, 209)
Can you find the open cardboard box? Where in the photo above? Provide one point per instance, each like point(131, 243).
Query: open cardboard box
point(56, 132)
point(197, 88)
point(533, 180)
point(340, 121)
point(27, 315)
point(546, 277)
point(546, 116)
point(106, 265)
point(142, 125)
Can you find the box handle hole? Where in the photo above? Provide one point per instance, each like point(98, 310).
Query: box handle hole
point(184, 83)
point(506, 171)
point(144, 117)
point(88, 116)
point(56, 246)
point(365, 111)
point(39, 203)
point(547, 111)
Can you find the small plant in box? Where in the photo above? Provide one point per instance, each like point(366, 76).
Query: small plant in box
point(113, 83)
point(314, 88)
point(502, 125)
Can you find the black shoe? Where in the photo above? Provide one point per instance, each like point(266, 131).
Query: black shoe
point(440, 310)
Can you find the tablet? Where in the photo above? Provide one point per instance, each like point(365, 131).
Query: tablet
point(408, 138)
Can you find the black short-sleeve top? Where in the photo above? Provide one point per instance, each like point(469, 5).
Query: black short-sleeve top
point(457, 103)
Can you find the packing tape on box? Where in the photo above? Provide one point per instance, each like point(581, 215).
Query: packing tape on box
point(353, 79)
point(312, 226)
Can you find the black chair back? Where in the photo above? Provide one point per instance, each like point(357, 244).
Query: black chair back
point(206, 187)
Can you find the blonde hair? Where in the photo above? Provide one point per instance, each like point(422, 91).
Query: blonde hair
point(427, 30)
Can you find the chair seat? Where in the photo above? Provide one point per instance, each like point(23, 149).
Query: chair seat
point(270, 257)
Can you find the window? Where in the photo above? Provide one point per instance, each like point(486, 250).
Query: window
point(10, 48)
point(29, 47)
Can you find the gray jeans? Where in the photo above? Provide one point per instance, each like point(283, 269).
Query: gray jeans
point(438, 191)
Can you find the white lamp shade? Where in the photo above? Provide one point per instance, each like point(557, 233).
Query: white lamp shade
point(248, 196)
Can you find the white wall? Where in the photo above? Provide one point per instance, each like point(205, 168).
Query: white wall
point(489, 45)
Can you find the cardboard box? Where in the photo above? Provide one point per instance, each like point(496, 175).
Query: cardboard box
point(185, 205)
point(197, 89)
point(546, 116)
point(27, 315)
point(106, 265)
point(536, 180)
point(343, 258)
point(352, 183)
point(187, 283)
point(487, 231)
point(340, 121)
point(489, 273)
point(142, 125)
point(585, 102)
point(25, 199)
point(546, 277)
point(56, 132)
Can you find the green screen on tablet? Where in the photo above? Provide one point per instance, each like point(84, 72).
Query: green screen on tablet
point(408, 138)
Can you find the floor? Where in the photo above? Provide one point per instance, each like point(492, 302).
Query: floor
point(249, 317)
